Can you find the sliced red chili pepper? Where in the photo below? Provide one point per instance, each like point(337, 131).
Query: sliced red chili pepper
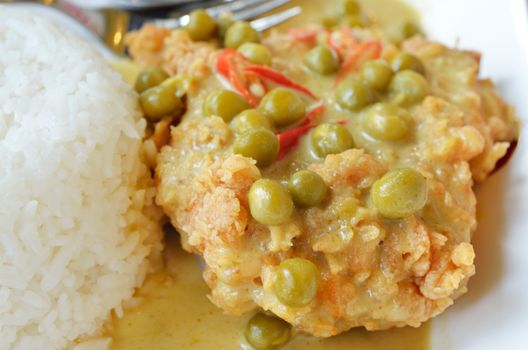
point(303, 34)
point(333, 45)
point(312, 116)
point(240, 84)
point(223, 61)
point(365, 51)
point(290, 138)
point(228, 64)
point(348, 42)
point(349, 38)
point(278, 78)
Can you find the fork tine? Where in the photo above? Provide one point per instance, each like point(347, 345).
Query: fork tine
point(232, 6)
point(257, 10)
point(264, 23)
point(217, 7)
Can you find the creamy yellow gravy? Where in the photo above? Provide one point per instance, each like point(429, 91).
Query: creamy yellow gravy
point(175, 314)
point(173, 311)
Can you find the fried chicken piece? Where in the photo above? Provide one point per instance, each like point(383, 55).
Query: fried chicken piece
point(174, 51)
point(374, 272)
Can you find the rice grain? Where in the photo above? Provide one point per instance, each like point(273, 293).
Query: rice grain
point(78, 223)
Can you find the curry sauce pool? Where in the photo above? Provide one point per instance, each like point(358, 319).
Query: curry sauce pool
point(391, 136)
point(173, 312)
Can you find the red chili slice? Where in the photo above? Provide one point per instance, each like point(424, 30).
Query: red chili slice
point(228, 64)
point(278, 78)
point(368, 50)
point(290, 138)
point(223, 61)
point(331, 44)
point(312, 116)
point(303, 34)
point(349, 36)
point(240, 84)
point(348, 42)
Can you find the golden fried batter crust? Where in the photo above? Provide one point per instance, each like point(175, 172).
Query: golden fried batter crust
point(375, 272)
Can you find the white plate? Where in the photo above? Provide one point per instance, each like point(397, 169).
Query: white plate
point(130, 4)
point(494, 313)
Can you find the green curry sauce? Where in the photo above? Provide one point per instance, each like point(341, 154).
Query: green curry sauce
point(173, 311)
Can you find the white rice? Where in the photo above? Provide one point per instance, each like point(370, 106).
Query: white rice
point(77, 223)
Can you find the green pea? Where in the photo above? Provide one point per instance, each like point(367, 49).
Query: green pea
point(399, 193)
point(407, 61)
point(256, 53)
point(159, 101)
point(283, 106)
point(353, 21)
point(269, 202)
point(307, 188)
point(225, 104)
point(201, 26)
point(349, 7)
point(330, 21)
point(409, 29)
point(180, 84)
point(260, 144)
point(376, 74)
point(331, 139)
point(386, 122)
point(265, 332)
point(240, 33)
point(322, 60)
point(353, 94)
point(224, 21)
point(407, 87)
point(150, 77)
point(250, 119)
point(296, 282)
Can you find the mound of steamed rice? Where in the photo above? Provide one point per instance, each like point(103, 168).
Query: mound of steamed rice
point(78, 225)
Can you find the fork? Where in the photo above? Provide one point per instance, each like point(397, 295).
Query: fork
point(107, 28)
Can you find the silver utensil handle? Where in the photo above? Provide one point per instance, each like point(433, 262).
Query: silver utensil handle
point(127, 4)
